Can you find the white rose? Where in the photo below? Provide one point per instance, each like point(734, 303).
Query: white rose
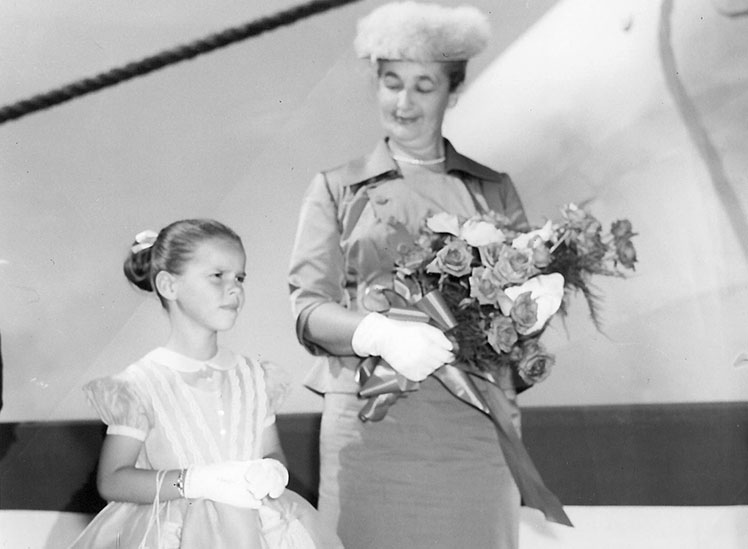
point(444, 223)
point(480, 233)
point(534, 238)
point(546, 290)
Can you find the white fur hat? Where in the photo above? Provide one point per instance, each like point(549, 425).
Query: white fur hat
point(414, 31)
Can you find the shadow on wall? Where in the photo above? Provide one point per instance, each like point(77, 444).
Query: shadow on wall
point(640, 108)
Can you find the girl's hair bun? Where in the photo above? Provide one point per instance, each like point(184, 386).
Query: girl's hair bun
point(137, 267)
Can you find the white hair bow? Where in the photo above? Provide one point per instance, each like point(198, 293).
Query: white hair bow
point(144, 240)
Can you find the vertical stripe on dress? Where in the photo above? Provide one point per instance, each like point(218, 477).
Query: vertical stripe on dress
point(260, 404)
point(234, 414)
point(142, 378)
point(192, 410)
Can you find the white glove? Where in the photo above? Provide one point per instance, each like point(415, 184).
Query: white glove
point(266, 477)
point(414, 349)
point(222, 482)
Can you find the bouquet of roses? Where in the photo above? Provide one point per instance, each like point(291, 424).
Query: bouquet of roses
point(504, 285)
point(492, 289)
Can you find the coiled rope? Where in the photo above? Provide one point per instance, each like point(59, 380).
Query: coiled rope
point(165, 58)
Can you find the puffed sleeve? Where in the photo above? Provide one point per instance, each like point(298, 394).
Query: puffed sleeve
point(120, 406)
point(277, 388)
point(316, 273)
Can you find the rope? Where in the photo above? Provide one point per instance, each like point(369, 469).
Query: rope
point(165, 58)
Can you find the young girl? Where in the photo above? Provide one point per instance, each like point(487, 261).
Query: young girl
point(192, 457)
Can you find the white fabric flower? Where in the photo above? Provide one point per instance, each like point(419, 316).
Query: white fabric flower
point(546, 290)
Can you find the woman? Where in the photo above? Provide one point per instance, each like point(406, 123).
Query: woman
point(430, 474)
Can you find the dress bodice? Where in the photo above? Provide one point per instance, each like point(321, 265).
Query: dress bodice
point(187, 412)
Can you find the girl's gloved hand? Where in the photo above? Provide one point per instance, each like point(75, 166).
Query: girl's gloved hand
point(266, 477)
point(414, 349)
point(223, 482)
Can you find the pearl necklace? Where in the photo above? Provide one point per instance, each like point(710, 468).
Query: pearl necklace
point(417, 162)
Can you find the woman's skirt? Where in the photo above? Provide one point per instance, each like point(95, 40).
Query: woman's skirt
point(431, 475)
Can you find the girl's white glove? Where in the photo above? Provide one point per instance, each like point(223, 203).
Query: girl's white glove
point(266, 477)
point(223, 482)
point(414, 349)
point(238, 483)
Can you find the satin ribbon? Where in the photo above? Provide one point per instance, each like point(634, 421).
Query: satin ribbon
point(378, 381)
point(383, 386)
point(492, 401)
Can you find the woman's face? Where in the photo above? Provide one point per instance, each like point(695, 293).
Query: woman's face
point(412, 99)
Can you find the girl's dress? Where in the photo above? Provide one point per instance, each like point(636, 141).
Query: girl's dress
point(189, 412)
point(431, 474)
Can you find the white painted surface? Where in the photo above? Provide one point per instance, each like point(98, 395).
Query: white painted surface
point(595, 527)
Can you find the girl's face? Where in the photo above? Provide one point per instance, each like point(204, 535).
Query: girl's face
point(209, 293)
point(412, 100)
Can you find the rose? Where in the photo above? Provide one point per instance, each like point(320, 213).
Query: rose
point(428, 240)
point(592, 227)
point(501, 334)
point(483, 286)
point(453, 259)
point(514, 266)
point(535, 364)
point(410, 253)
point(541, 257)
point(590, 244)
point(534, 239)
point(489, 255)
point(622, 232)
point(621, 229)
point(411, 257)
point(547, 291)
point(626, 253)
point(480, 233)
point(580, 221)
point(574, 213)
point(524, 312)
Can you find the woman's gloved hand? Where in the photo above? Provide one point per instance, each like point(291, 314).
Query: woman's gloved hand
point(414, 349)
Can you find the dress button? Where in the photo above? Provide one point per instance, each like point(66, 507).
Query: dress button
point(221, 412)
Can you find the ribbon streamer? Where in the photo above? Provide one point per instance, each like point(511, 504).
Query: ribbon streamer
point(493, 402)
point(383, 386)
